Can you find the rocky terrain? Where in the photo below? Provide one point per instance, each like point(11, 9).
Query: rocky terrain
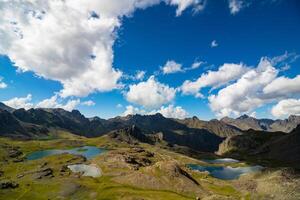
point(246, 122)
point(146, 157)
point(128, 171)
point(275, 147)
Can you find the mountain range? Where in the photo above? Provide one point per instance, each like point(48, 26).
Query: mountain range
point(246, 122)
point(247, 134)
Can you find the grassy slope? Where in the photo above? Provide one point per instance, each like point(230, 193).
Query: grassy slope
point(110, 185)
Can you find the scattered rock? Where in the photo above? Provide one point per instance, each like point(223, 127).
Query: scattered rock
point(8, 184)
point(43, 164)
point(78, 159)
point(47, 172)
point(16, 160)
point(149, 154)
point(20, 175)
point(137, 162)
point(14, 153)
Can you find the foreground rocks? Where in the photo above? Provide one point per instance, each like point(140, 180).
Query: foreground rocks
point(6, 184)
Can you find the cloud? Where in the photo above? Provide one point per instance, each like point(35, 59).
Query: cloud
point(53, 103)
point(172, 112)
point(20, 102)
point(246, 93)
point(119, 105)
point(88, 103)
point(286, 107)
point(283, 61)
point(171, 67)
point(214, 44)
point(150, 93)
point(235, 6)
point(198, 5)
point(196, 65)
point(169, 111)
point(283, 87)
point(284, 58)
point(226, 73)
point(2, 84)
point(140, 75)
point(131, 110)
point(70, 41)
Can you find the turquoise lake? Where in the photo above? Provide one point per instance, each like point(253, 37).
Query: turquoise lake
point(87, 151)
point(225, 172)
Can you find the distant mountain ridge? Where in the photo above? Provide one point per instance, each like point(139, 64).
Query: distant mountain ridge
point(280, 147)
point(190, 132)
point(246, 122)
point(35, 123)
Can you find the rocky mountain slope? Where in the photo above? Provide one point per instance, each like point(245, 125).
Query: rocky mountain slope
point(246, 122)
point(215, 126)
point(277, 147)
point(191, 132)
point(34, 123)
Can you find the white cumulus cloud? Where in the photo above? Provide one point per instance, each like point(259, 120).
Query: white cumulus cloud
point(131, 110)
point(286, 107)
point(283, 86)
point(70, 41)
point(226, 73)
point(235, 6)
point(53, 102)
point(20, 102)
point(171, 67)
point(246, 93)
point(88, 103)
point(150, 93)
point(2, 84)
point(169, 111)
point(198, 5)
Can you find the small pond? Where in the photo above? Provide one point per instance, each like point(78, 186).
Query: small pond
point(86, 151)
point(225, 172)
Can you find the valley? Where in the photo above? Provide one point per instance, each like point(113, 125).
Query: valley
point(142, 157)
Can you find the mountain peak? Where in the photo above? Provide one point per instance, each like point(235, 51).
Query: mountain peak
point(5, 107)
point(243, 117)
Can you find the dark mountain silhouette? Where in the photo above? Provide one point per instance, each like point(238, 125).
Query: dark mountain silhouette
point(279, 148)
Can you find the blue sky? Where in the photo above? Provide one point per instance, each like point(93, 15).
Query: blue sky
point(144, 40)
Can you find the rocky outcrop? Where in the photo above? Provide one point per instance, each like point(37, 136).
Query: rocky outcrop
point(7, 184)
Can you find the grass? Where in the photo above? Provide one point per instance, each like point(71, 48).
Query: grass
point(105, 187)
